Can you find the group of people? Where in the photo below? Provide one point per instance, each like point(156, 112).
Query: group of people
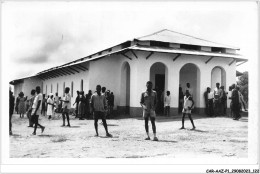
point(83, 109)
point(37, 108)
point(216, 101)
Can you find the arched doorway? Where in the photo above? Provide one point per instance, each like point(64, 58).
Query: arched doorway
point(125, 87)
point(218, 75)
point(159, 78)
point(189, 73)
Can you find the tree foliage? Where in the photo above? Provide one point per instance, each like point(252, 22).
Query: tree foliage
point(243, 83)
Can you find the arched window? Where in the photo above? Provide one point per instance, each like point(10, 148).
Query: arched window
point(46, 89)
point(71, 89)
point(51, 88)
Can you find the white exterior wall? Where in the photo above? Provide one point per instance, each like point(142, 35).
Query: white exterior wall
point(107, 72)
point(27, 86)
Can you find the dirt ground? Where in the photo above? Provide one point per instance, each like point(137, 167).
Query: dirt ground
point(214, 137)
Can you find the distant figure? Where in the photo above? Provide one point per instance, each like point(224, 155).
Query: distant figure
point(21, 106)
point(235, 103)
point(56, 100)
point(50, 106)
point(180, 99)
point(99, 105)
point(189, 88)
point(149, 103)
point(81, 105)
point(208, 96)
point(167, 103)
point(88, 107)
point(66, 106)
point(188, 105)
point(77, 104)
point(36, 111)
point(11, 110)
point(223, 101)
point(230, 89)
point(111, 102)
point(217, 100)
point(29, 113)
point(44, 103)
point(17, 104)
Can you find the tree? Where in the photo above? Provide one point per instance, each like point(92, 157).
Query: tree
point(243, 83)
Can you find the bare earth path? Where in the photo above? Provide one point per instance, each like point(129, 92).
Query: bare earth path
point(217, 137)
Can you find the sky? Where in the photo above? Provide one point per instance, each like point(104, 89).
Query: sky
point(39, 35)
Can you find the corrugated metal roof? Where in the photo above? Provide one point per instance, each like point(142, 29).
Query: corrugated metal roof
point(175, 37)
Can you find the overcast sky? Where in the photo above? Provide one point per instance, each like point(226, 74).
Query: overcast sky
point(40, 35)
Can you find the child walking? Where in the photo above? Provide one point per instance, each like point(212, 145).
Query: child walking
point(167, 103)
point(187, 106)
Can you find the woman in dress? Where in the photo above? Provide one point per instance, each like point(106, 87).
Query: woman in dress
point(21, 106)
point(50, 106)
point(81, 107)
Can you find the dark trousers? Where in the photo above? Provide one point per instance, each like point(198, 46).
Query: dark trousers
point(217, 108)
point(236, 110)
point(29, 116)
point(36, 122)
point(146, 120)
point(167, 110)
point(210, 110)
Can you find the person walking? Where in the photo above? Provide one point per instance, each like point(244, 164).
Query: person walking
point(180, 99)
point(187, 107)
point(66, 106)
point(11, 110)
point(99, 105)
point(149, 102)
point(36, 110)
point(29, 113)
point(17, 104)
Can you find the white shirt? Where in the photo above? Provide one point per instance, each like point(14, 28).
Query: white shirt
point(167, 100)
point(67, 98)
point(35, 103)
point(190, 91)
point(187, 102)
point(210, 95)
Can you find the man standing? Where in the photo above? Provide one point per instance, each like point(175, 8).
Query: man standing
point(217, 99)
point(11, 110)
point(36, 109)
point(99, 105)
point(188, 87)
point(148, 103)
point(29, 113)
point(66, 106)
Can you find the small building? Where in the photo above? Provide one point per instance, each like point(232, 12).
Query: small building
point(169, 59)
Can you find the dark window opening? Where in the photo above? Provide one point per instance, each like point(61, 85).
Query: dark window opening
point(159, 44)
point(218, 50)
point(126, 44)
point(190, 47)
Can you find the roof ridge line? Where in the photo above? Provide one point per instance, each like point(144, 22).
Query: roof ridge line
point(201, 38)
